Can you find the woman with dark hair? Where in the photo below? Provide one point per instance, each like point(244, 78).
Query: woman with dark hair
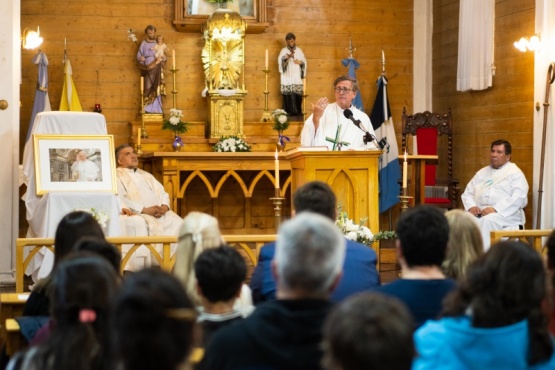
point(71, 228)
point(155, 319)
point(494, 319)
point(83, 288)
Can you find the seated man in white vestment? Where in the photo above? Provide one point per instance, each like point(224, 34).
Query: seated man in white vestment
point(497, 194)
point(329, 126)
point(145, 204)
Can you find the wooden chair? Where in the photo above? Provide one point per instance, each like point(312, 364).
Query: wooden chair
point(429, 127)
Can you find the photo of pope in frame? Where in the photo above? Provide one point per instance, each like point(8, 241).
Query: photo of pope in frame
point(74, 163)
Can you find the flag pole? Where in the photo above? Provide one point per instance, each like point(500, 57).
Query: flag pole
point(549, 80)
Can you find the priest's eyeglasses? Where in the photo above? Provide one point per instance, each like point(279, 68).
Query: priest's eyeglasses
point(342, 90)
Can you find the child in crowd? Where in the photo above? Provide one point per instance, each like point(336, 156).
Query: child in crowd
point(83, 287)
point(220, 273)
point(155, 320)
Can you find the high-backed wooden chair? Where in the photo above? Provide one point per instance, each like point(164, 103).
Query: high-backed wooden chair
point(429, 128)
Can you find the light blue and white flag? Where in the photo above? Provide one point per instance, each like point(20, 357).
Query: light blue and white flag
point(389, 171)
point(353, 65)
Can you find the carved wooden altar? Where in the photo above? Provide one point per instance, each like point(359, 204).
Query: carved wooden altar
point(234, 187)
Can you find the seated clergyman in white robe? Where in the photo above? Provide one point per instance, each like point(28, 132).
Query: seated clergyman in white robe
point(328, 126)
point(145, 205)
point(497, 193)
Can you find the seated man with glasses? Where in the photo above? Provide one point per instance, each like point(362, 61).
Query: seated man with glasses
point(329, 125)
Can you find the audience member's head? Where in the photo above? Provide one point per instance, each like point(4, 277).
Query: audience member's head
point(369, 331)
point(199, 231)
point(220, 273)
point(310, 251)
point(102, 248)
point(423, 233)
point(71, 228)
point(505, 286)
point(551, 251)
point(83, 288)
point(465, 243)
point(155, 319)
point(316, 197)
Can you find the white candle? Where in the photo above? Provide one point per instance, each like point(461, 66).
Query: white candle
point(405, 171)
point(304, 86)
point(276, 170)
point(139, 136)
point(266, 60)
point(173, 59)
point(142, 85)
point(383, 57)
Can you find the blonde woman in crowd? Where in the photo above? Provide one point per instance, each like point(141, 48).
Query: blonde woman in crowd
point(201, 231)
point(465, 243)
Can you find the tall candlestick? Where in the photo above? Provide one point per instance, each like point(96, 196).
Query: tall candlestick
point(173, 58)
point(405, 171)
point(266, 60)
point(139, 136)
point(276, 170)
point(142, 85)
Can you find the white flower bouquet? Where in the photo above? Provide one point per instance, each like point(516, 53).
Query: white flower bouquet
point(357, 232)
point(175, 123)
point(281, 120)
point(100, 216)
point(231, 144)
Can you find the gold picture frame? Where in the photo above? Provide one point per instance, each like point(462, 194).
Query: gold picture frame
point(74, 163)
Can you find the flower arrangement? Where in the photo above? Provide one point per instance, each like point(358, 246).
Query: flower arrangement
point(100, 216)
point(357, 232)
point(231, 144)
point(175, 123)
point(281, 120)
point(281, 123)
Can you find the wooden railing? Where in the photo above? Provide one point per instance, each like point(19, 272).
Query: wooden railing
point(530, 237)
point(27, 248)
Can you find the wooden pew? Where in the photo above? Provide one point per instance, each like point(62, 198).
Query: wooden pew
point(27, 248)
point(530, 237)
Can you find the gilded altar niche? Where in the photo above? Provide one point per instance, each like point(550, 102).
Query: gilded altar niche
point(223, 58)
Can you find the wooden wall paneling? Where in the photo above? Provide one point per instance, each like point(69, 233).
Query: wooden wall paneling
point(502, 111)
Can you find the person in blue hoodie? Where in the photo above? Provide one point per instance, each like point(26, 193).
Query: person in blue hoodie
point(494, 319)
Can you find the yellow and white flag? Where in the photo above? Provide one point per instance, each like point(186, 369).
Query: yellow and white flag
point(70, 100)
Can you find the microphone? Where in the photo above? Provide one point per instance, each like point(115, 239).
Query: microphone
point(368, 137)
point(349, 115)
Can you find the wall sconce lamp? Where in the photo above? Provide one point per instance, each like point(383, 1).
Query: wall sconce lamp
point(31, 39)
point(531, 44)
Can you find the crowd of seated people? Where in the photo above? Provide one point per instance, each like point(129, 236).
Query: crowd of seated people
point(454, 306)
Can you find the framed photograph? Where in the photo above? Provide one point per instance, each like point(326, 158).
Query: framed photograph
point(74, 163)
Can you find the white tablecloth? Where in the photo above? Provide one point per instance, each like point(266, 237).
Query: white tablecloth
point(45, 212)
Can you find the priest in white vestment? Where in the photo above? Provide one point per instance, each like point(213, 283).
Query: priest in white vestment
point(145, 204)
point(498, 193)
point(328, 125)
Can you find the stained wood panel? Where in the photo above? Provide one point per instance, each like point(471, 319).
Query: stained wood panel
point(503, 111)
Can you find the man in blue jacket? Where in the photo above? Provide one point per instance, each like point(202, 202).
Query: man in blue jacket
point(359, 269)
